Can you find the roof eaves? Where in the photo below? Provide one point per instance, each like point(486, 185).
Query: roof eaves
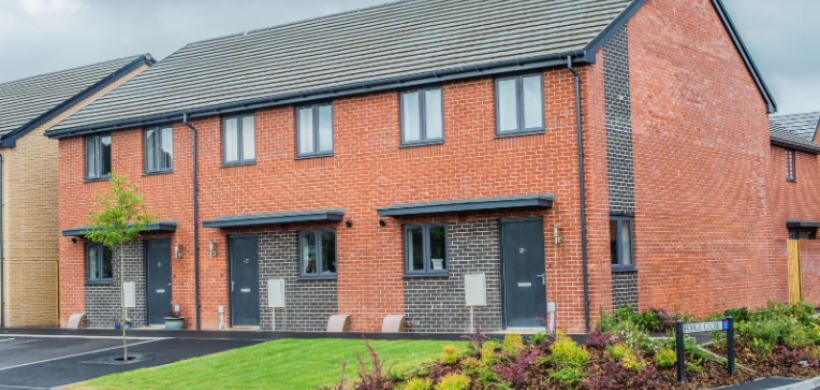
point(602, 38)
point(771, 104)
point(782, 142)
point(456, 73)
point(9, 140)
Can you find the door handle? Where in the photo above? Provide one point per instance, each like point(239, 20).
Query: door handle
point(231, 285)
point(543, 279)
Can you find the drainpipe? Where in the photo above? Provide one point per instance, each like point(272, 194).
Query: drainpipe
point(196, 219)
point(2, 259)
point(581, 185)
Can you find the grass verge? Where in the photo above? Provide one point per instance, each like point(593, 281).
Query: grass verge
point(281, 364)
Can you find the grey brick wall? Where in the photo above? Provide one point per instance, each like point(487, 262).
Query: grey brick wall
point(618, 111)
point(437, 304)
point(102, 302)
point(625, 288)
point(309, 302)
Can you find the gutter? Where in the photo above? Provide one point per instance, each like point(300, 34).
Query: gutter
point(581, 190)
point(795, 145)
point(196, 220)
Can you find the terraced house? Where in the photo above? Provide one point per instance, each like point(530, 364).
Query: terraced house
point(28, 165)
point(367, 161)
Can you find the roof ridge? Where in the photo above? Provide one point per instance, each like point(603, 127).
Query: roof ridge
point(778, 116)
point(303, 21)
point(133, 57)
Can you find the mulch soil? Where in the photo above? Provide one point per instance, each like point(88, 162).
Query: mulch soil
point(773, 365)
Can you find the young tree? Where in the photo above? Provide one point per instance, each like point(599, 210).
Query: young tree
point(120, 216)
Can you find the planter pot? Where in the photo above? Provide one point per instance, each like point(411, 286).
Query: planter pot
point(117, 325)
point(173, 323)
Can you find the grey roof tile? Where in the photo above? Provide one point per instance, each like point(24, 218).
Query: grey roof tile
point(22, 101)
point(805, 125)
point(788, 138)
point(378, 43)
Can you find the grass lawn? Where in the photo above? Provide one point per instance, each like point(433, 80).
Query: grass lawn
point(281, 364)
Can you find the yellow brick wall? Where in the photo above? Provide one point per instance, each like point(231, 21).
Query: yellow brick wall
point(30, 226)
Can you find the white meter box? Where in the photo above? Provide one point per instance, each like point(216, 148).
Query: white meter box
point(276, 292)
point(475, 290)
point(129, 290)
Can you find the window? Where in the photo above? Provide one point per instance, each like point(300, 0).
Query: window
point(790, 166)
point(98, 156)
point(314, 130)
point(239, 140)
point(317, 253)
point(98, 259)
point(519, 104)
point(425, 249)
point(620, 238)
point(159, 149)
point(422, 116)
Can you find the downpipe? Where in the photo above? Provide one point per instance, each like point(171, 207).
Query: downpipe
point(2, 258)
point(196, 218)
point(581, 189)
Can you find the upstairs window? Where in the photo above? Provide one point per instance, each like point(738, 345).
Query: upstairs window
point(620, 238)
point(159, 149)
point(791, 171)
point(519, 103)
point(239, 140)
point(317, 253)
point(422, 116)
point(425, 250)
point(98, 156)
point(314, 130)
point(99, 263)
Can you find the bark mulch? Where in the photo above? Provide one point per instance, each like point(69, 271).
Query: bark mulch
point(774, 365)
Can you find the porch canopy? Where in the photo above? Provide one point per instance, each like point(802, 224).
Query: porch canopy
point(156, 227)
point(791, 223)
point(332, 215)
point(452, 206)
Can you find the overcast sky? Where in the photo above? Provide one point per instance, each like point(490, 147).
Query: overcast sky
point(38, 36)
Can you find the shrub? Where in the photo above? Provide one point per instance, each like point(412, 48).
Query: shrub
point(601, 340)
point(512, 344)
point(470, 365)
point(454, 382)
point(450, 354)
point(417, 384)
point(665, 357)
point(761, 348)
point(489, 379)
point(516, 372)
point(695, 368)
point(567, 353)
point(476, 339)
point(488, 355)
point(634, 361)
point(618, 351)
point(376, 377)
point(539, 338)
point(569, 377)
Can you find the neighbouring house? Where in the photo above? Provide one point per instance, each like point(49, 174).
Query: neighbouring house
point(795, 182)
point(29, 259)
point(372, 159)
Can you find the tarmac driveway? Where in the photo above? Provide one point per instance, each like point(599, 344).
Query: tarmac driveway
point(41, 362)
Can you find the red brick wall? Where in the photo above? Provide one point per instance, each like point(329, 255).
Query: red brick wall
point(369, 170)
point(704, 237)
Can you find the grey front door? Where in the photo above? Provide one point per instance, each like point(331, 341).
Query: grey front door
point(522, 259)
point(158, 269)
point(244, 280)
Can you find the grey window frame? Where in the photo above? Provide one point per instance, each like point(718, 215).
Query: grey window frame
point(319, 274)
point(519, 107)
point(157, 150)
point(425, 233)
point(620, 266)
point(791, 165)
point(100, 264)
point(315, 110)
point(240, 143)
point(97, 156)
point(423, 117)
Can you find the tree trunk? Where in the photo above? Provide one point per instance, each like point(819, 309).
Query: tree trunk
point(124, 309)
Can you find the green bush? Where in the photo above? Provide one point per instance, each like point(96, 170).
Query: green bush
point(453, 382)
point(567, 353)
point(470, 365)
point(538, 339)
point(569, 377)
point(450, 354)
point(618, 351)
point(417, 384)
point(488, 355)
point(489, 379)
point(512, 343)
point(666, 357)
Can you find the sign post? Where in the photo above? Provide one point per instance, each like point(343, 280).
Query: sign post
point(682, 328)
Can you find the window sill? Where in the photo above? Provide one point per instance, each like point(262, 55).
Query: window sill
point(104, 283)
point(314, 278)
point(157, 173)
point(316, 156)
point(617, 269)
point(791, 180)
point(241, 164)
point(413, 145)
point(520, 134)
point(96, 179)
point(436, 275)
